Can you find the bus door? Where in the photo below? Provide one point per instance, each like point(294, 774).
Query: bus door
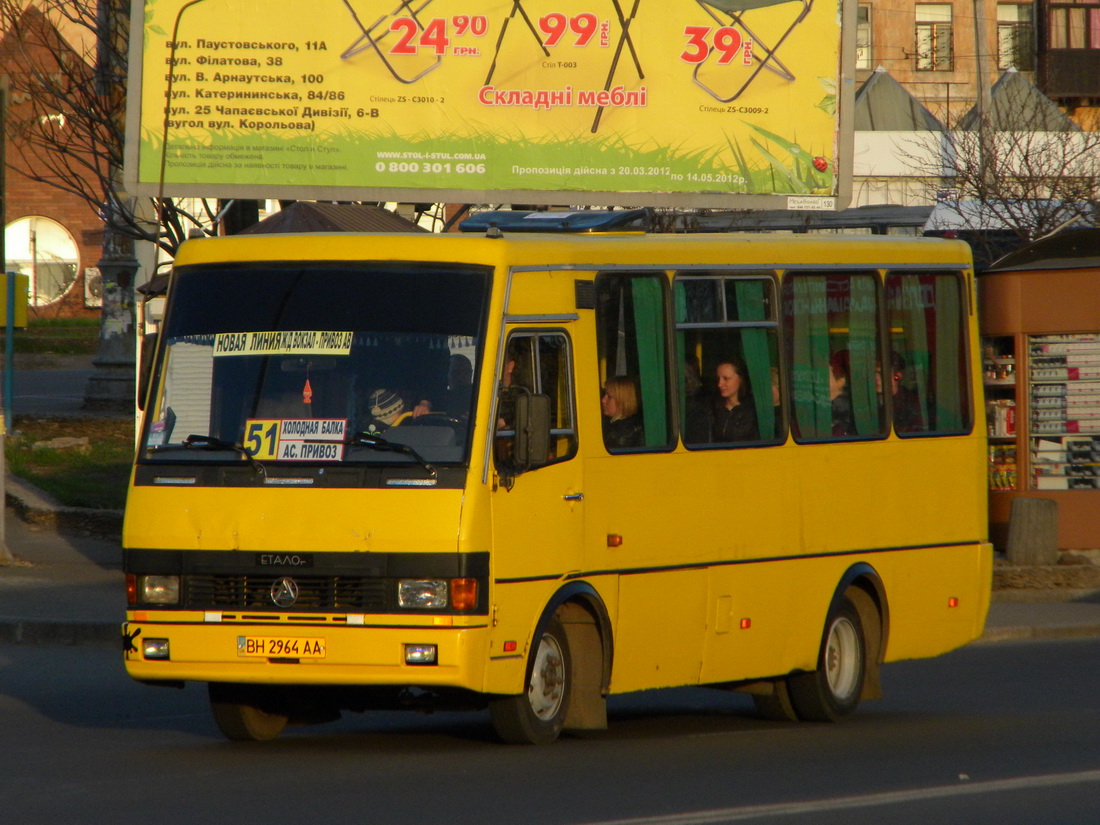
point(538, 497)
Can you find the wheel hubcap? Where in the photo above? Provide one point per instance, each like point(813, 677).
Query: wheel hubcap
point(842, 659)
point(547, 686)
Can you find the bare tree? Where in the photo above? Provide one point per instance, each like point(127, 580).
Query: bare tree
point(1018, 172)
point(1032, 182)
point(67, 70)
point(68, 92)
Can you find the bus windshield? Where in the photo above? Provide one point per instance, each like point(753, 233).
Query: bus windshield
point(317, 363)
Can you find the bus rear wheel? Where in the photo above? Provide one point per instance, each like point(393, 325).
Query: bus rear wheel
point(832, 692)
point(536, 716)
point(245, 714)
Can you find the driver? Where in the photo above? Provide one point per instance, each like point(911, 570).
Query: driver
point(386, 409)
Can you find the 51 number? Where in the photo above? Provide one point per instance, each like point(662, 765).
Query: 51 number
point(260, 438)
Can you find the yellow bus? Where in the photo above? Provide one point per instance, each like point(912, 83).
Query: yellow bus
point(526, 470)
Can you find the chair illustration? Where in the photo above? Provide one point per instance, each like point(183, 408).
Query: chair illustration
point(517, 8)
point(369, 40)
point(624, 40)
point(732, 12)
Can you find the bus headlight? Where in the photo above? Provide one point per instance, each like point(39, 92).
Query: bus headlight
point(420, 654)
point(155, 649)
point(159, 589)
point(422, 594)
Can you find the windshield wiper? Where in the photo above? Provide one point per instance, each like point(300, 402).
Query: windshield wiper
point(377, 442)
point(210, 443)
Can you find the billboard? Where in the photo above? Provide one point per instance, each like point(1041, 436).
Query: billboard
point(710, 103)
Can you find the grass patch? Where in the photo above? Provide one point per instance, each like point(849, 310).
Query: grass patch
point(92, 476)
point(56, 336)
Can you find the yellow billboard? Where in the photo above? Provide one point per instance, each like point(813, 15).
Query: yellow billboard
point(621, 102)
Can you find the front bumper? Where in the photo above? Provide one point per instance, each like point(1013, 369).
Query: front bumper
point(201, 649)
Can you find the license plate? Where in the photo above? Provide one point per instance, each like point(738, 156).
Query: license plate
point(281, 647)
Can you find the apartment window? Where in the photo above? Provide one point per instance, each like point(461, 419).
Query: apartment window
point(1075, 25)
point(934, 49)
point(863, 36)
point(1015, 37)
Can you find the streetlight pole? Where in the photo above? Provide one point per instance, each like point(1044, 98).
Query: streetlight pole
point(111, 386)
point(981, 51)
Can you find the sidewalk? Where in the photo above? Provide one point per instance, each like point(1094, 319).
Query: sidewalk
point(68, 586)
point(65, 588)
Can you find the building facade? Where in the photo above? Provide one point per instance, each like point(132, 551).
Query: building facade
point(52, 236)
point(947, 53)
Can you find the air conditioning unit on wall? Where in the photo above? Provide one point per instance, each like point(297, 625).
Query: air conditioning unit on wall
point(93, 287)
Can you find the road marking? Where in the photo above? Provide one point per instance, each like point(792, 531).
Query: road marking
point(841, 803)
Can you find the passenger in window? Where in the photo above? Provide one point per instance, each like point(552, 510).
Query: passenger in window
point(460, 373)
point(509, 385)
point(733, 417)
point(455, 400)
point(777, 403)
point(907, 412)
point(622, 425)
point(840, 395)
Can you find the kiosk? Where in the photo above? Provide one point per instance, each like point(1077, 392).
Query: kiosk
point(1040, 320)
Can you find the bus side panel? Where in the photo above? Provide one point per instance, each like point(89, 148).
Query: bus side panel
point(879, 495)
point(650, 516)
point(750, 628)
point(789, 522)
point(922, 586)
point(767, 618)
point(659, 639)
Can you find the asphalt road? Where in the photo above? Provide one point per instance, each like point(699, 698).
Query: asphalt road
point(48, 391)
point(1000, 734)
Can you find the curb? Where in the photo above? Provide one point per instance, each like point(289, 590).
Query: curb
point(1035, 634)
point(37, 507)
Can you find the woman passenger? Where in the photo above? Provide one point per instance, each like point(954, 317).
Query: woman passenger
point(734, 415)
point(622, 426)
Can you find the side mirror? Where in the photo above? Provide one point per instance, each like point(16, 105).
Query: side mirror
point(148, 352)
point(532, 448)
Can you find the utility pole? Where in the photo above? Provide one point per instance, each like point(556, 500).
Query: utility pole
point(111, 386)
point(5, 553)
point(983, 105)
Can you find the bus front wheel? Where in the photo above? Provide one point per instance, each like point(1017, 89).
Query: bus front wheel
point(244, 714)
point(832, 692)
point(536, 716)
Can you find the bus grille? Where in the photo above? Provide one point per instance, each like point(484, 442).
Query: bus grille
point(323, 593)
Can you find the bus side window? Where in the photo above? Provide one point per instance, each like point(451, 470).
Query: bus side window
point(633, 362)
point(832, 336)
point(728, 358)
point(928, 384)
point(536, 363)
